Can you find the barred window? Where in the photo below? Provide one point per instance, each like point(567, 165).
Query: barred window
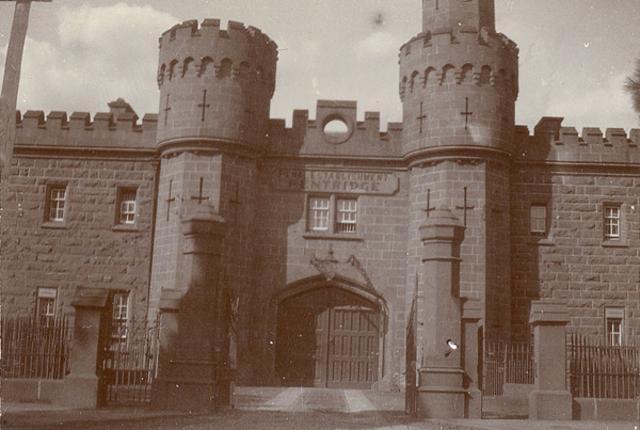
point(319, 213)
point(56, 201)
point(612, 222)
point(127, 205)
point(346, 215)
point(538, 219)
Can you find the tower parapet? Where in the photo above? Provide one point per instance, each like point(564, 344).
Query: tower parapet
point(215, 84)
point(458, 79)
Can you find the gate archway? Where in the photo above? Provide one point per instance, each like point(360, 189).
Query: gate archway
point(329, 334)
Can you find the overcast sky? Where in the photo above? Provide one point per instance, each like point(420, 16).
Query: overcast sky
point(574, 54)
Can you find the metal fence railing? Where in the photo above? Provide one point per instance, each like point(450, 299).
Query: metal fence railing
point(599, 371)
point(128, 363)
point(506, 364)
point(34, 347)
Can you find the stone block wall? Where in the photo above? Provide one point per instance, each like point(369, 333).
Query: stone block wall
point(88, 249)
point(238, 195)
point(286, 249)
point(485, 250)
point(572, 261)
point(179, 182)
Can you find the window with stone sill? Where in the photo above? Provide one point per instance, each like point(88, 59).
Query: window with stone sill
point(538, 219)
point(612, 221)
point(45, 306)
point(55, 204)
point(126, 206)
point(332, 214)
point(119, 318)
point(614, 326)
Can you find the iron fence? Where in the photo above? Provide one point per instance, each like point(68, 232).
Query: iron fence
point(128, 362)
point(506, 363)
point(600, 371)
point(35, 347)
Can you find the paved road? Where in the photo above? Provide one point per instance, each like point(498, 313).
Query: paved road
point(297, 399)
point(277, 408)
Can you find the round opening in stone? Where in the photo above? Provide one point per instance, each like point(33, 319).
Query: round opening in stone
point(336, 129)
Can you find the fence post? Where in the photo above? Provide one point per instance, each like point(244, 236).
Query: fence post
point(471, 315)
point(441, 392)
point(81, 385)
point(550, 399)
point(193, 369)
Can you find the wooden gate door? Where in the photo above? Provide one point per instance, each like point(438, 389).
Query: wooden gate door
point(328, 338)
point(353, 347)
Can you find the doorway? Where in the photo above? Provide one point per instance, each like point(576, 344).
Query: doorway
point(328, 337)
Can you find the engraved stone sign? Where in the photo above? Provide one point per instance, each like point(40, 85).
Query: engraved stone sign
point(333, 181)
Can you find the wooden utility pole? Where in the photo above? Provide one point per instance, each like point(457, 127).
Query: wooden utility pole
point(10, 83)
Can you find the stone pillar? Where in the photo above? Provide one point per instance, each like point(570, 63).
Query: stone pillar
point(550, 399)
point(81, 385)
point(193, 363)
point(471, 316)
point(440, 386)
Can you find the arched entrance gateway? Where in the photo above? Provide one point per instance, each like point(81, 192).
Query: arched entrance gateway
point(329, 334)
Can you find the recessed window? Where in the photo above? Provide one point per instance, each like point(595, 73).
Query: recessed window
point(538, 219)
point(331, 214)
point(120, 317)
point(126, 206)
point(56, 197)
point(319, 213)
point(614, 321)
point(346, 215)
point(46, 305)
point(611, 222)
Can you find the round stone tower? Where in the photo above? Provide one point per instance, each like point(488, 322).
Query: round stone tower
point(458, 86)
point(215, 85)
point(215, 94)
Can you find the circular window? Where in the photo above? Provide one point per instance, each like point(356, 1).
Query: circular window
point(336, 130)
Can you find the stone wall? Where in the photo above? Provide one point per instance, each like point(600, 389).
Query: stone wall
point(285, 250)
point(485, 251)
point(88, 249)
point(572, 261)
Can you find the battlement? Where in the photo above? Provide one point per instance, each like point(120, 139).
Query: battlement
point(309, 137)
point(429, 59)
point(79, 129)
point(238, 52)
point(212, 28)
point(429, 39)
point(554, 143)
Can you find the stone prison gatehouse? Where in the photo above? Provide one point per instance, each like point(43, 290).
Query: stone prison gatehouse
point(302, 255)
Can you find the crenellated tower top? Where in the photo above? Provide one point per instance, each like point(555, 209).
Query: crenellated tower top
point(458, 80)
point(453, 16)
point(215, 84)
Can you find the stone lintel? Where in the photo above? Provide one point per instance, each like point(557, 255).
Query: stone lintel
point(90, 297)
point(549, 312)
